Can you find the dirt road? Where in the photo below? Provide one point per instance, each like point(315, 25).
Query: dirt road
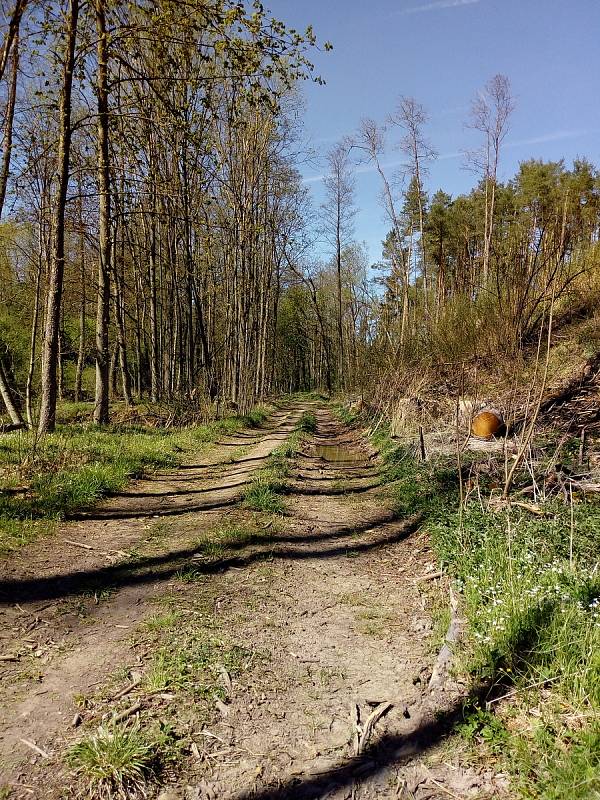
point(332, 700)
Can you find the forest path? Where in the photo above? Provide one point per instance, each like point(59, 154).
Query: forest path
point(69, 601)
point(340, 706)
point(327, 599)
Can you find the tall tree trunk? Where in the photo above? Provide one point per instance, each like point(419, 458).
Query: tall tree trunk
point(154, 343)
point(9, 399)
point(11, 34)
point(34, 324)
point(6, 390)
point(101, 409)
point(121, 334)
point(82, 304)
point(47, 419)
point(8, 121)
point(340, 324)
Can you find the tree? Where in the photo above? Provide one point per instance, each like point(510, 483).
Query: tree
point(411, 117)
point(490, 114)
point(50, 353)
point(339, 213)
point(101, 412)
point(11, 45)
point(370, 140)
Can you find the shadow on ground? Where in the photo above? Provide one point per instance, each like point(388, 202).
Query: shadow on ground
point(159, 568)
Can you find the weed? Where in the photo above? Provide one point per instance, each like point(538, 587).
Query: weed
point(352, 599)
point(262, 493)
point(189, 574)
point(569, 770)
point(230, 537)
point(345, 414)
point(256, 417)
point(115, 761)
point(307, 423)
point(486, 727)
point(261, 497)
point(373, 621)
point(190, 661)
point(161, 621)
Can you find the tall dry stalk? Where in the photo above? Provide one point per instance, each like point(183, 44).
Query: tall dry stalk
point(529, 433)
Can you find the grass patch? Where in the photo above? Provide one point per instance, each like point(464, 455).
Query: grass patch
point(118, 761)
point(531, 595)
point(221, 542)
point(256, 417)
point(572, 771)
point(44, 480)
point(307, 422)
point(345, 413)
point(263, 492)
point(191, 661)
point(262, 495)
point(163, 621)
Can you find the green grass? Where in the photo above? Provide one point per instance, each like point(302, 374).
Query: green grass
point(221, 542)
point(572, 772)
point(263, 492)
point(307, 422)
point(117, 761)
point(345, 414)
point(162, 621)
point(533, 611)
point(191, 661)
point(256, 417)
point(262, 495)
point(47, 479)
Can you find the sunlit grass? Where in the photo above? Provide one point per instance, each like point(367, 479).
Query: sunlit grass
point(530, 590)
point(114, 762)
point(50, 478)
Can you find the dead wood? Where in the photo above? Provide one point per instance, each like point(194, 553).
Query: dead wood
point(127, 712)
point(35, 748)
point(370, 722)
point(444, 660)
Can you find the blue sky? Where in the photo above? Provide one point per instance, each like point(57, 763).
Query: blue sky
point(441, 52)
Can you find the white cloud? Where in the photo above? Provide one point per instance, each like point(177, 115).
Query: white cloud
point(313, 179)
point(438, 4)
point(365, 169)
point(555, 136)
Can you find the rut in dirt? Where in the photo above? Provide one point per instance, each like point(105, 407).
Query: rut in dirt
point(69, 601)
point(341, 708)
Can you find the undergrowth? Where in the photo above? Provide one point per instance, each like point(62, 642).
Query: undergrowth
point(531, 594)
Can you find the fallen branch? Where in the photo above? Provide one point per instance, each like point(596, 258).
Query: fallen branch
point(95, 549)
point(370, 723)
point(127, 689)
point(429, 577)
point(35, 748)
point(444, 659)
point(128, 712)
point(501, 503)
point(78, 544)
point(355, 717)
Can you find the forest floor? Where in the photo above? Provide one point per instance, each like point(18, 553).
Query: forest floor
point(244, 653)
